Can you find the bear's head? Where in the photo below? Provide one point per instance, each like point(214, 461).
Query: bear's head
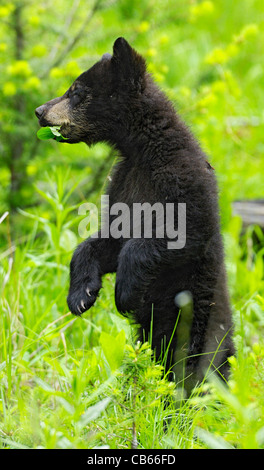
point(102, 102)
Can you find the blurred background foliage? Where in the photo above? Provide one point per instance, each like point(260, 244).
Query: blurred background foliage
point(206, 55)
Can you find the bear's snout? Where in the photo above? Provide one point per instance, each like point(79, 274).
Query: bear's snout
point(40, 111)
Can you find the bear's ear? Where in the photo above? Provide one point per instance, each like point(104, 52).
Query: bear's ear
point(129, 65)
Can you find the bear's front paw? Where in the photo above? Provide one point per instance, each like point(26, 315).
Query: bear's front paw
point(81, 299)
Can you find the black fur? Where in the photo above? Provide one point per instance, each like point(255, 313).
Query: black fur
point(116, 101)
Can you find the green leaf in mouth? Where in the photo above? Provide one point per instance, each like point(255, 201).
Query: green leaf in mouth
point(45, 133)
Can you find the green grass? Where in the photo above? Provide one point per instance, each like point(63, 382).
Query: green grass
point(69, 382)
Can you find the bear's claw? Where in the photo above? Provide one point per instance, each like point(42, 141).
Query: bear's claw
point(81, 299)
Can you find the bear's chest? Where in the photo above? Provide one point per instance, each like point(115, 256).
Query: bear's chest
point(131, 184)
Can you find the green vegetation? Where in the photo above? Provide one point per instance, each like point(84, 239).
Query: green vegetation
point(69, 382)
point(46, 133)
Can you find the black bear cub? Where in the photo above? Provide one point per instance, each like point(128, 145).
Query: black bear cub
point(162, 165)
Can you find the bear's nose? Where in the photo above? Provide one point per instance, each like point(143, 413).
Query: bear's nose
point(39, 111)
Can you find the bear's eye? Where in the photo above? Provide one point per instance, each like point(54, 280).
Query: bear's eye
point(76, 97)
